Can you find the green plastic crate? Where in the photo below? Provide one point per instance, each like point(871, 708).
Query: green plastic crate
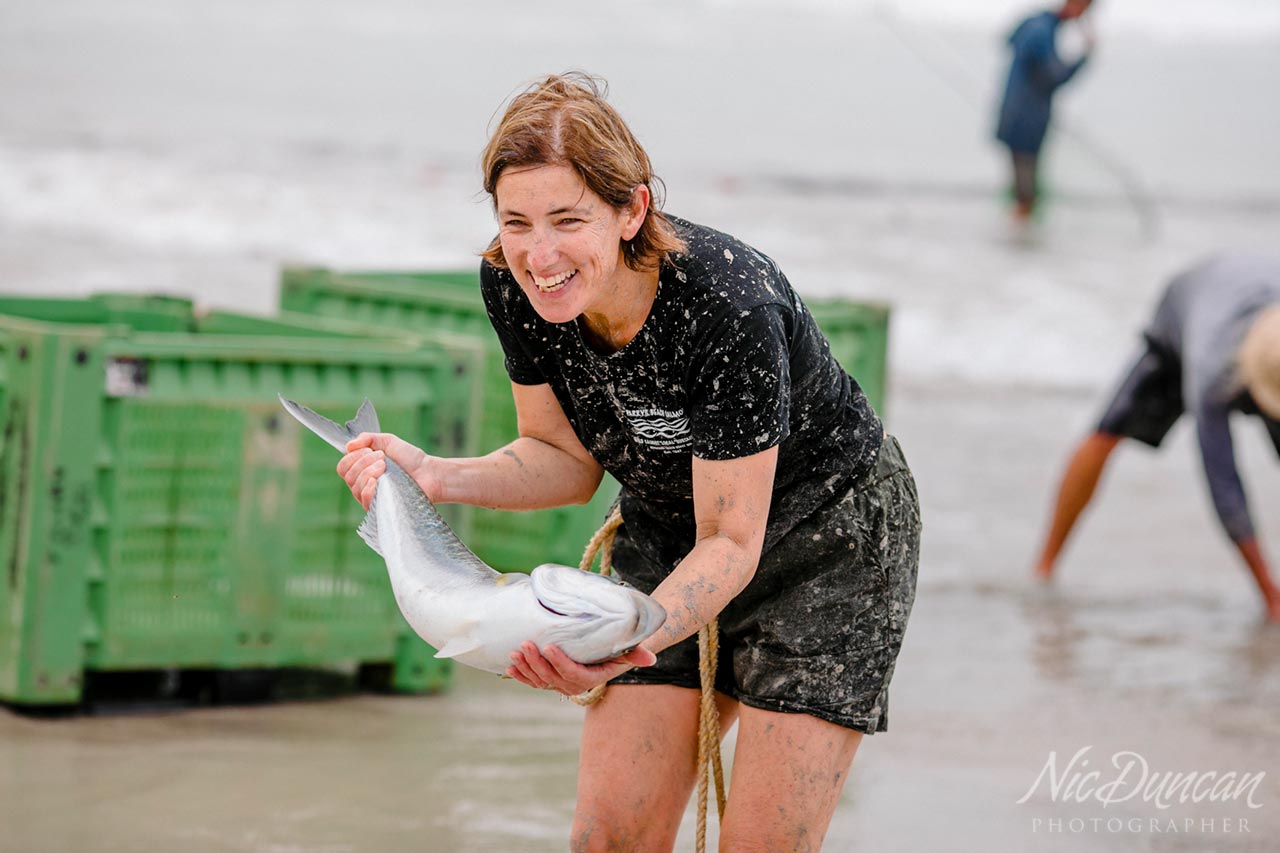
point(158, 509)
point(143, 312)
point(450, 302)
point(859, 337)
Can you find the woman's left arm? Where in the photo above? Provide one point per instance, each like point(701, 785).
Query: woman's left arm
point(731, 505)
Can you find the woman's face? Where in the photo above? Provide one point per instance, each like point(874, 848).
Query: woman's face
point(562, 242)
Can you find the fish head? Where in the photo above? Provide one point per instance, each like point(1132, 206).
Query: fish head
point(600, 617)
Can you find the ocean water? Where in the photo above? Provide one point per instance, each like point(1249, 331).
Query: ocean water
point(194, 147)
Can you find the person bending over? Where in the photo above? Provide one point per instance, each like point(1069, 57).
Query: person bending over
point(1212, 348)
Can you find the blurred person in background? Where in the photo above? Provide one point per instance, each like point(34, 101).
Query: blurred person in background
point(758, 485)
point(1035, 74)
point(1212, 348)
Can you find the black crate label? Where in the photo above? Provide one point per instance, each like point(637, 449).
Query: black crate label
point(126, 377)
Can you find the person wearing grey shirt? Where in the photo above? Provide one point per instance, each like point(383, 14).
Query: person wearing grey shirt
point(1212, 348)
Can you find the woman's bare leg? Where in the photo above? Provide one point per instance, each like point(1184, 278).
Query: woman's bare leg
point(788, 771)
point(638, 766)
point(1078, 484)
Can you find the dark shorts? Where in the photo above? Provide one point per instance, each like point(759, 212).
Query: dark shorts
point(1149, 399)
point(819, 629)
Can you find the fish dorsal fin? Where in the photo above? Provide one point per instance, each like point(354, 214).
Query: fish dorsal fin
point(458, 646)
point(366, 419)
point(368, 528)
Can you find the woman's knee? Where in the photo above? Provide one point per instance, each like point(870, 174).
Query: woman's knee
point(614, 828)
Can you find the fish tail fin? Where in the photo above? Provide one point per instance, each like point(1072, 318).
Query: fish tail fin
point(366, 420)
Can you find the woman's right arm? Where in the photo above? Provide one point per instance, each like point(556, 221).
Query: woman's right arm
point(545, 467)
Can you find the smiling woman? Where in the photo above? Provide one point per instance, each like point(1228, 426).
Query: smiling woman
point(759, 487)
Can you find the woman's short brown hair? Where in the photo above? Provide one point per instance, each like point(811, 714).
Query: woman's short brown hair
point(565, 120)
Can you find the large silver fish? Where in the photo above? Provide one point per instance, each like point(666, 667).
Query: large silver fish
point(464, 608)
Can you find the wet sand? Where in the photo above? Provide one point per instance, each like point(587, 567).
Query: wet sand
point(1150, 643)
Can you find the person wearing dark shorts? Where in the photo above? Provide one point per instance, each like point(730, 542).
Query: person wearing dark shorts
point(758, 485)
point(1211, 348)
point(752, 370)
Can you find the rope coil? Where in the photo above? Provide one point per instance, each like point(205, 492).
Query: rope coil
point(709, 763)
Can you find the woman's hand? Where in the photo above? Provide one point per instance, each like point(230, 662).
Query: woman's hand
point(552, 669)
point(366, 460)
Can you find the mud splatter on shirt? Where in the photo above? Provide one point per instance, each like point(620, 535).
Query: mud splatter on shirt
point(728, 363)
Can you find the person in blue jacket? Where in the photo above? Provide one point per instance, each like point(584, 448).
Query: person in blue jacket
point(1211, 349)
point(1035, 73)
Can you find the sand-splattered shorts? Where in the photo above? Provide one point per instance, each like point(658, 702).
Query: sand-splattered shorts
point(818, 629)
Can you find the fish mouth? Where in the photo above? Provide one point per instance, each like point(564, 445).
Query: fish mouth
point(544, 606)
point(650, 616)
point(577, 617)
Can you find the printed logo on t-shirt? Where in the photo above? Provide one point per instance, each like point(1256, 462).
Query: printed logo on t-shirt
point(660, 429)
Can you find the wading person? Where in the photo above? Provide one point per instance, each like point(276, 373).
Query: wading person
point(1212, 348)
point(1035, 73)
point(758, 485)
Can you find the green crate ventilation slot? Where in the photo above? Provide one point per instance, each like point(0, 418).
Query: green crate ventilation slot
point(166, 589)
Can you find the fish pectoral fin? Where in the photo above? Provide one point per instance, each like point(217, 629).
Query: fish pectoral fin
point(458, 646)
point(368, 528)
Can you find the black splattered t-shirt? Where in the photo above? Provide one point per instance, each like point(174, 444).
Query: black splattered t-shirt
point(728, 363)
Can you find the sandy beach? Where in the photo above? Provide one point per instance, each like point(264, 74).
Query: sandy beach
point(135, 154)
point(1150, 644)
